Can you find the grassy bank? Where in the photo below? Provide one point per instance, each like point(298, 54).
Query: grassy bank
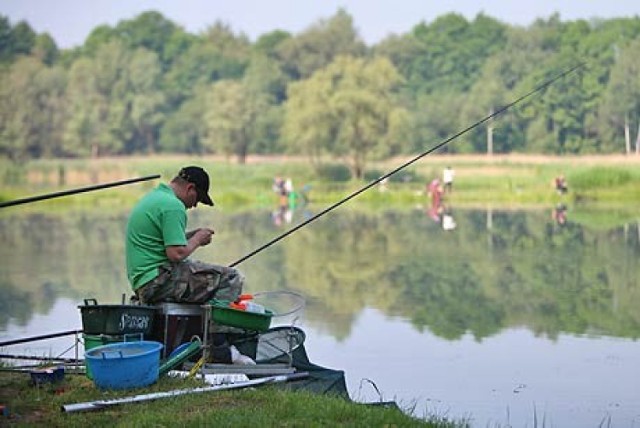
point(263, 406)
point(506, 181)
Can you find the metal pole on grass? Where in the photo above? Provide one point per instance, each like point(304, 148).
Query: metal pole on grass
point(101, 404)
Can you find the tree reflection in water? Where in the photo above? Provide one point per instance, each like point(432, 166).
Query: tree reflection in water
point(496, 270)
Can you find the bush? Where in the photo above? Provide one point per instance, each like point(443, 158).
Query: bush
point(334, 172)
point(599, 177)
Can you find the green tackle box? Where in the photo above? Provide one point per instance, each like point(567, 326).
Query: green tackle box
point(222, 314)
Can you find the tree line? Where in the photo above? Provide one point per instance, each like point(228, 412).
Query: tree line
point(147, 86)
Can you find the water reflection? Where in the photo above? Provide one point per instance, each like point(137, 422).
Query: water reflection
point(507, 312)
point(559, 214)
point(499, 270)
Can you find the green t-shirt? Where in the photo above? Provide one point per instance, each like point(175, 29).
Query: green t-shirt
point(158, 220)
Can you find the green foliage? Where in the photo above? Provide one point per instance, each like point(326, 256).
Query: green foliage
point(347, 108)
point(334, 172)
point(601, 177)
point(319, 45)
point(231, 111)
point(114, 102)
point(184, 130)
point(32, 116)
point(448, 52)
point(19, 41)
point(134, 88)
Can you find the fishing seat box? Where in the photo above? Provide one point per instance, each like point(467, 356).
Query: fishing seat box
point(116, 319)
point(177, 323)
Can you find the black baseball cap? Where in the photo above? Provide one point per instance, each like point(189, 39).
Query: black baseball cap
point(199, 177)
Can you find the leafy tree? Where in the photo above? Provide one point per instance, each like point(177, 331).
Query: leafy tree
point(23, 38)
point(183, 131)
point(45, 49)
point(231, 112)
point(264, 74)
point(264, 78)
point(218, 54)
point(145, 101)
point(149, 30)
point(268, 44)
point(100, 35)
point(440, 63)
point(446, 54)
point(115, 101)
point(486, 96)
point(176, 46)
point(346, 109)
point(86, 111)
point(32, 114)
point(434, 118)
point(319, 45)
point(6, 52)
point(622, 98)
point(15, 40)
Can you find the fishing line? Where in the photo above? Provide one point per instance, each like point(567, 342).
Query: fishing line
point(410, 162)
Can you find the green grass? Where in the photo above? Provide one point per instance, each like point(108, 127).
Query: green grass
point(479, 181)
point(262, 406)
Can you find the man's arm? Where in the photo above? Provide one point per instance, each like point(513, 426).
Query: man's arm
point(198, 238)
point(191, 233)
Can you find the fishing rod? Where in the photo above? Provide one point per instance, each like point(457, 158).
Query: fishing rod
point(410, 162)
point(41, 337)
point(75, 191)
point(37, 358)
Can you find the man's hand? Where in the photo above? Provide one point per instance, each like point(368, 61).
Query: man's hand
point(203, 236)
point(199, 238)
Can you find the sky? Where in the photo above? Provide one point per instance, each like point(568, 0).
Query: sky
point(69, 22)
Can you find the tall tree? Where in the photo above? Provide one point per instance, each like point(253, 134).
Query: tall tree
point(218, 54)
point(15, 40)
point(45, 49)
point(231, 113)
point(145, 100)
point(265, 79)
point(183, 130)
point(32, 113)
point(149, 30)
point(447, 54)
point(346, 109)
point(621, 107)
point(115, 101)
point(319, 45)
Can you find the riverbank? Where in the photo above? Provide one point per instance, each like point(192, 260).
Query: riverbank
point(27, 405)
point(497, 179)
point(505, 181)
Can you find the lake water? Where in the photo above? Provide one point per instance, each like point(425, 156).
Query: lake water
point(505, 319)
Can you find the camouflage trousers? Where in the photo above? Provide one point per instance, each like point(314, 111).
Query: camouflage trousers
point(191, 281)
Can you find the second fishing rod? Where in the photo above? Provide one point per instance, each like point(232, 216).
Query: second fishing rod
point(443, 143)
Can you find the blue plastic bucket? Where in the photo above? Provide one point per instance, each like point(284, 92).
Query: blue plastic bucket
point(124, 365)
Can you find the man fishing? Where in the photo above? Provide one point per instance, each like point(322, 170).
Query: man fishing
point(158, 246)
point(158, 249)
